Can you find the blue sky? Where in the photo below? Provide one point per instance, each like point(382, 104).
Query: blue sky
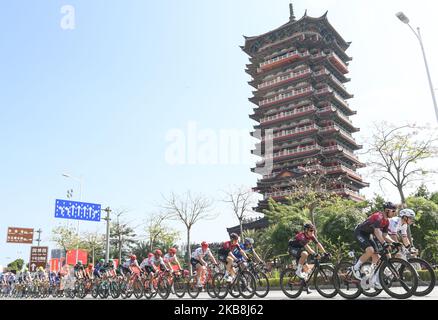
point(98, 101)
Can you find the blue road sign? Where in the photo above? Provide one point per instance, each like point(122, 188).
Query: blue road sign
point(77, 210)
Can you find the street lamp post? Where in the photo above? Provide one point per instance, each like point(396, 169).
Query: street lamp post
point(403, 18)
point(80, 197)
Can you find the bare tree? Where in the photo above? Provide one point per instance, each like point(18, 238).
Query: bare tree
point(158, 232)
point(396, 152)
point(242, 201)
point(188, 209)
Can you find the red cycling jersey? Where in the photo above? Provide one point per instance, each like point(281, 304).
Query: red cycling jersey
point(376, 220)
point(302, 240)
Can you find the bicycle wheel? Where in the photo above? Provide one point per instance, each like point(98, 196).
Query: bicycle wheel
point(80, 290)
point(290, 284)
point(246, 284)
point(366, 284)
point(262, 283)
point(179, 286)
point(324, 281)
point(426, 276)
point(147, 290)
point(192, 287)
point(210, 289)
point(220, 285)
point(398, 278)
point(163, 288)
point(114, 290)
point(137, 288)
point(95, 290)
point(103, 289)
point(346, 284)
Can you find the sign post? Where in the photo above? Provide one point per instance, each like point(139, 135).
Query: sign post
point(20, 235)
point(38, 258)
point(66, 209)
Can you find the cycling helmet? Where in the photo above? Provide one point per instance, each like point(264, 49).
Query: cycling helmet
point(234, 236)
point(204, 244)
point(111, 260)
point(389, 205)
point(308, 226)
point(407, 213)
point(158, 252)
point(150, 255)
point(101, 260)
point(172, 250)
point(90, 265)
point(249, 240)
point(133, 257)
point(80, 262)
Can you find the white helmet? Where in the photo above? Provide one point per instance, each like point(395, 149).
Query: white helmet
point(407, 213)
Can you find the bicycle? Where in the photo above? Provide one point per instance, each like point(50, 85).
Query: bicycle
point(207, 282)
point(399, 285)
point(322, 274)
point(262, 280)
point(243, 283)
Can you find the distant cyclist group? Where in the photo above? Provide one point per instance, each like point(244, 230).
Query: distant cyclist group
point(389, 262)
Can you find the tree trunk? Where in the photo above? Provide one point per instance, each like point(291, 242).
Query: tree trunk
point(402, 195)
point(241, 228)
point(93, 257)
point(189, 252)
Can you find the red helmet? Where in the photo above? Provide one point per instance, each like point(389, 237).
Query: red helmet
point(90, 266)
point(204, 244)
point(150, 255)
point(133, 257)
point(172, 250)
point(158, 252)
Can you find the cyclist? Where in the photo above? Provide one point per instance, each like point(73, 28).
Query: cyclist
point(41, 274)
point(89, 271)
point(110, 268)
point(226, 251)
point(376, 225)
point(198, 263)
point(146, 264)
point(248, 247)
point(79, 271)
point(299, 248)
point(98, 268)
point(399, 225)
point(171, 260)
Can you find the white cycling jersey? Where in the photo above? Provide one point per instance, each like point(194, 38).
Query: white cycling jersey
point(146, 263)
point(169, 259)
point(199, 253)
point(156, 262)
point(396, 226)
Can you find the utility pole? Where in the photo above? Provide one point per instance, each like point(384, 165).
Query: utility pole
point(39, 231)
point(107, 210)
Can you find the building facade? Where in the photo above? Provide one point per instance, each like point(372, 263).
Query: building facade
point(303, 118)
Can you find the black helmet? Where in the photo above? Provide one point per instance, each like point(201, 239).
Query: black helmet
point(234, 236)
point(389, 205)
point(308, 226)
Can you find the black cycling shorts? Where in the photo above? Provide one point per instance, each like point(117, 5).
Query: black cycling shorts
point(194, 262)
point(296, 252)
point(365, 240)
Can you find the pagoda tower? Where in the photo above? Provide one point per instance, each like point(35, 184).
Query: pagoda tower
point(298, 72)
